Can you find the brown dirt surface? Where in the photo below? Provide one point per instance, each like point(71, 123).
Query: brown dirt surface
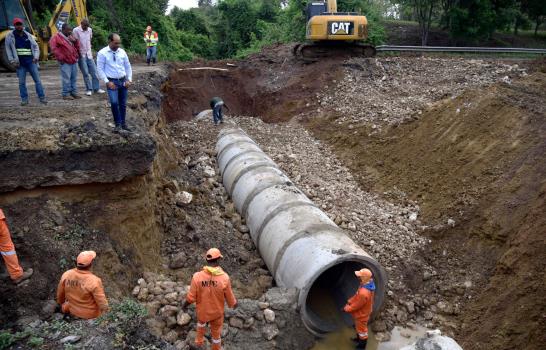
point(271, 85)
point(435, 166)
point(477, 160)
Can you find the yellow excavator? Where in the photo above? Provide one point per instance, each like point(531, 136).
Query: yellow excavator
point(332, 34)
point(10, 9)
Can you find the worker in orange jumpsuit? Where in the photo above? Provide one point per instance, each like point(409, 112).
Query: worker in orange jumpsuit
point(360, 306)
point(209, 289)
point(80, 293)
point(7, 250)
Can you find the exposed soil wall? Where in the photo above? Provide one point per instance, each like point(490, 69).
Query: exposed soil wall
point(479, 161)
point(120, 220)
point(271, 85)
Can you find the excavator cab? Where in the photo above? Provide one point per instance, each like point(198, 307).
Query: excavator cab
point(332, 34)
point(316, 9)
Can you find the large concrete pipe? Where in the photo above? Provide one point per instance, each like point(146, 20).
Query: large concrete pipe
point(301, 246)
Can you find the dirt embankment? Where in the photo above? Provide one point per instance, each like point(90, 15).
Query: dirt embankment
point(270, 85)
point(78, 211)
point(476, 165)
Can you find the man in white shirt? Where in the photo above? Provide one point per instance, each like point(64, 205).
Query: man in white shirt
point(84, 34)
point(114, 69)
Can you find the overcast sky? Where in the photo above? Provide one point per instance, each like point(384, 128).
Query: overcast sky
point(184, 4)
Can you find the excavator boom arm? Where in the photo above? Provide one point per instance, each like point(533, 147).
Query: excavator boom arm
point(332, 6)
point(62, 13)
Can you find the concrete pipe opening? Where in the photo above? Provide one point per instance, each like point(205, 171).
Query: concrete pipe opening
point(322, 301)
point(301, 246)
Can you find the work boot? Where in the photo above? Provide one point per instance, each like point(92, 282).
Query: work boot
point(68, 98)
point(194, 346)
point(43, 101)
point(76, 96)
point(24, 103)
point(117, 129)
point(26, 275)
point(126, 128)
point(362, 344)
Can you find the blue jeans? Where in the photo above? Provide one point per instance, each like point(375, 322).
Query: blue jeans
point(118, 101)
point(88, 68)
point(22, 70)
point(151, 53)
point(217, 113)
point(69, 74)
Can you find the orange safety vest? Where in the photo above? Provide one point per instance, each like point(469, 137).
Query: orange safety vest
point(360, 305)
point(210, 289)
point(152, 37)
point(81, 294)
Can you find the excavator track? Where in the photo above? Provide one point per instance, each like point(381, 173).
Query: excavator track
point(312, 52)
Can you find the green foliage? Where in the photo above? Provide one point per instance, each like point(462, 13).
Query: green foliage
point(126, 311)
point(190, 21)
point(473, 20)
point(63, 327)
point(221, 29)
point(6, 340)
point(35, 342)
point(235, 27)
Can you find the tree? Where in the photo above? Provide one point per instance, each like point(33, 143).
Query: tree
point(204, 3)
point(424, 10)
point(268, 10)
point(473, 19)
point(235, 27)
point(536, 10)
point(189, 21)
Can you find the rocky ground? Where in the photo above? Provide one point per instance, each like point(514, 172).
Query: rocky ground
point(394, 90)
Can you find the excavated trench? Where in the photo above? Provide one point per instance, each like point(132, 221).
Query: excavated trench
point(271, 86)
point(127, 220)
point(496, 140)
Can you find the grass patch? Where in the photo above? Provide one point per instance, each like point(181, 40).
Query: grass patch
point(126, 311)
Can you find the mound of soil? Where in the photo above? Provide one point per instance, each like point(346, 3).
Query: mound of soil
point(271, 85)
point(476, 162)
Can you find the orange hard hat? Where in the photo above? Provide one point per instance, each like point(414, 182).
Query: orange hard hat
point(213, 253)
point(364, 274)
point(85, 258)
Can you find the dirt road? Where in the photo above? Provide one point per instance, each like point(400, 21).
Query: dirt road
point(51, 80)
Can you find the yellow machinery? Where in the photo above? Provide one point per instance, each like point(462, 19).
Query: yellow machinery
point(10, 9)
point(331, 33)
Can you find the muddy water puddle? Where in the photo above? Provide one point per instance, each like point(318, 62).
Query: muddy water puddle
point(327, 303)
point(341, 340)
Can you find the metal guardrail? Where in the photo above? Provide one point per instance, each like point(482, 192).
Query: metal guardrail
point(400, 48)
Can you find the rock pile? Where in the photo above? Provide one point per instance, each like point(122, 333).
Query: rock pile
point(254, 324)
point(392, 90)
